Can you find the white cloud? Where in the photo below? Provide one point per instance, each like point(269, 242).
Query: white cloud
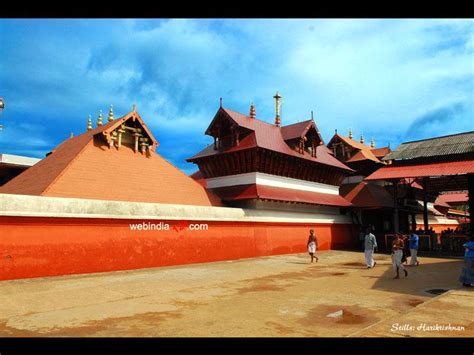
point(364, 74)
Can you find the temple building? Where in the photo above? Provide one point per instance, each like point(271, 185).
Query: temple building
point(105, 200)
point(114, 161)
point(439, 165)
point(374, 201)
point(362, 158)
point(256, 164)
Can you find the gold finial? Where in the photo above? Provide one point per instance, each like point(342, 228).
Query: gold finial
point(350, 133)
point(99, 119)
point(277, 98)
point(89, 123)
point(72, 135)
point(134, 107)
point(252, 111)
point(372, 143)
point(362, 138)
point(111, 113)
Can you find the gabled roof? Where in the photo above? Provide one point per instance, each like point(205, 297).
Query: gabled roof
point(296, 130)
point(267, 136)
point(299, 130)
point(366, 152)
point(134, 116)
point(349, 141)
point(370, 196)
point(363, 155)
point(455, 144)
point(85, 167)
point(381, 152)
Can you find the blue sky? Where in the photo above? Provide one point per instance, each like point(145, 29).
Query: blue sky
point(395, 80)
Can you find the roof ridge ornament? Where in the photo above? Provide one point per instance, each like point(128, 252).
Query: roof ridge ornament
point(361, 139)
point(372, 143)
point(277, 98)
point(134, 107)
point(89, 123)
point(350, 133)
point(111, 114)
point(99, 119)
point(252, 111)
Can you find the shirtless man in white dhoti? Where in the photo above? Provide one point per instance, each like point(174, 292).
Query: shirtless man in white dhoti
point(312, 245)
point(397, 254)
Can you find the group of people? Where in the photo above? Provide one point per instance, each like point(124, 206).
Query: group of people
point(398, 251)
point(399, 257)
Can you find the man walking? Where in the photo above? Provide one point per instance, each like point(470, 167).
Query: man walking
point(397, 254)
point(413, 241)
point(370, 244)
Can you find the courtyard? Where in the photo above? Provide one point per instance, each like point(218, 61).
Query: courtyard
point(277, 296)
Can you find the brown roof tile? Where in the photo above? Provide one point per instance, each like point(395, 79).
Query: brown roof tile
point(85, 167)
point(370, 196)
point(268, 136)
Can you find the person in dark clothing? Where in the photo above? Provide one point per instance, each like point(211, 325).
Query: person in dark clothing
point(467, 274)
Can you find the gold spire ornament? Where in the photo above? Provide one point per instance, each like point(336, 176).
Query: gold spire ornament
point(252, 111)
point(89, 123)
point(277, 98)
point(350, 133)
point(372, 143)
point(99, 119)
point(111, 114)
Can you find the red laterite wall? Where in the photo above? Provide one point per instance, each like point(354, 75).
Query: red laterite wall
point(45, 246)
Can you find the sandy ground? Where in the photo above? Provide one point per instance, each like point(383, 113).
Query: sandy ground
point(278, 296)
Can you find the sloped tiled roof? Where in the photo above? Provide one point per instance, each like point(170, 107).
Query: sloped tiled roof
point(268, 136)
point(299, 129)
point(85, 167)
point(363, 155)
point(370, 196)
point(263, 192)
point(454, 198)
point(423, 170)
point(455, 144)
point(439, 202)
point(380, 152)
point(366, 153)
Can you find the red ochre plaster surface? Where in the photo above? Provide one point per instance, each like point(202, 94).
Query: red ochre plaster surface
point(42, 246)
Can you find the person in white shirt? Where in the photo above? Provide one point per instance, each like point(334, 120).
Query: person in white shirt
point(370, 246)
